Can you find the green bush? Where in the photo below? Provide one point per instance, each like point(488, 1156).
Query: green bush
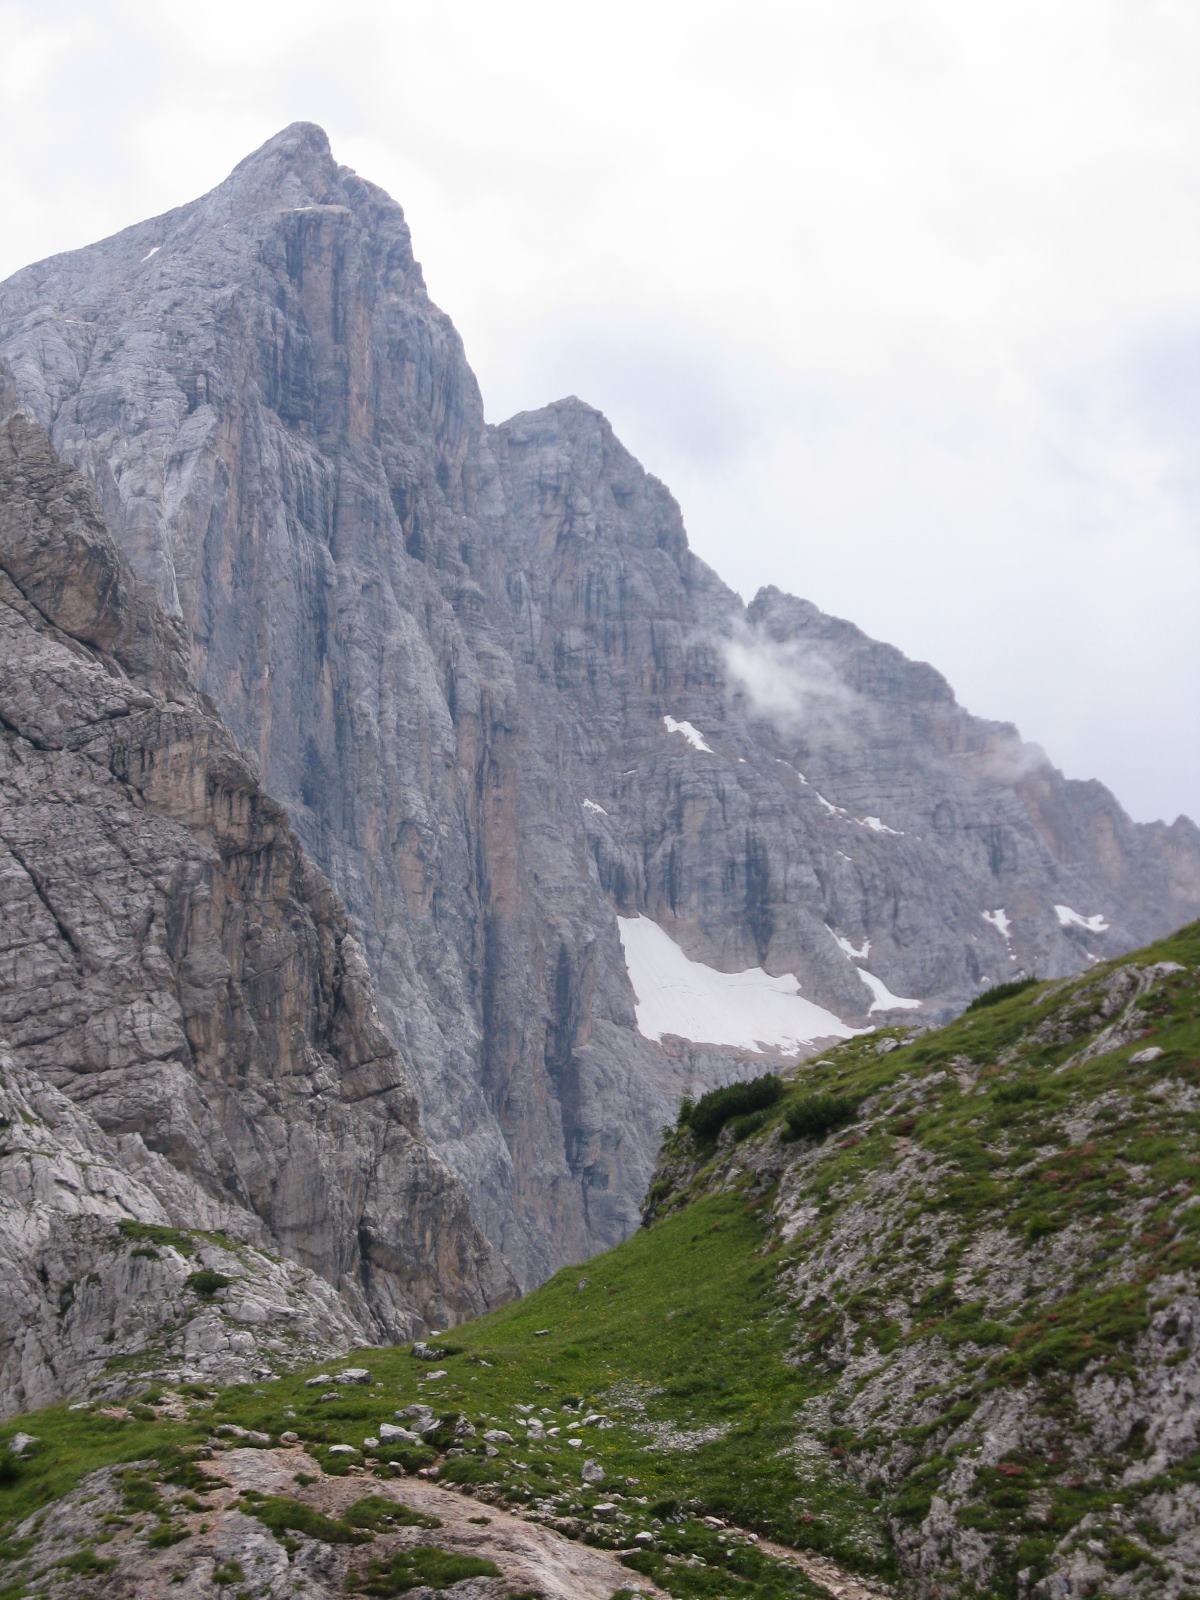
point(206, 1282)
point(1002, 991)
point(714, 1109)
point(818, 1114)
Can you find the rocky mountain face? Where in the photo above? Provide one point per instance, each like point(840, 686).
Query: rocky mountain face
point(566, 783)
point(190, 1035)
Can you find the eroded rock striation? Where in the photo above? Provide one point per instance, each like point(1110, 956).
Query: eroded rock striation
point(190, 1035)
point(504, 704)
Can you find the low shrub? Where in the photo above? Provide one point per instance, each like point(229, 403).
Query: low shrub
point(206, 1282)
point(1002, 991)
point(714, 1109)
point(818, 1114)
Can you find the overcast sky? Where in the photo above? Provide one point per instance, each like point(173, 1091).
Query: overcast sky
point(901, 300)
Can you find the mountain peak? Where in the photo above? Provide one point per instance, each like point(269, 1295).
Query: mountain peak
point(297, 158)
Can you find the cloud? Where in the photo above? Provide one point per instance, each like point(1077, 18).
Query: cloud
point(788, 684)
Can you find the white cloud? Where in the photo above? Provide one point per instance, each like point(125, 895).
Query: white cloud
point(891, 296)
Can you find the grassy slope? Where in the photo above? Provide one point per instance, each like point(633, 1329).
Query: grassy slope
point(709, 1321)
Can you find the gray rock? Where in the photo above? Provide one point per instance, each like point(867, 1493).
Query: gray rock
point(1153, 1053)
point(389, 1433)
point(190, 1039)
point(592, 1472)
point(472, 631)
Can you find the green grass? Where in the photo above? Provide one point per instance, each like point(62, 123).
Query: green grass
point(282, 1514)
point(420, 1566)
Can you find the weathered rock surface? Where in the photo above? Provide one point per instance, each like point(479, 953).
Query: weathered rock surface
point(94, 1278)
point(220, 1543)
point(173, 966)
point(453, 650)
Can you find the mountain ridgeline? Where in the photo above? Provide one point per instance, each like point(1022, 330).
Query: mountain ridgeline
point(502, 705)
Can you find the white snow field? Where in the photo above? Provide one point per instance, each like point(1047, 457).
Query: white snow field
point(747, 1010)
point(1071, 919)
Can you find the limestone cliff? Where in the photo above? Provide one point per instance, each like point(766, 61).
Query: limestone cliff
point(173, 965)
point(503, 704)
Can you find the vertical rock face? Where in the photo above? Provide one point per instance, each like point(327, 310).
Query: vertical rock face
point(503, 703)
point(173, 965)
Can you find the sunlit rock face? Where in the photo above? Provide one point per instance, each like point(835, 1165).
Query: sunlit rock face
point(503, 703)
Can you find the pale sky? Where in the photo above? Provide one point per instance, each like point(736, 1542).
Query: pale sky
point(902, 300)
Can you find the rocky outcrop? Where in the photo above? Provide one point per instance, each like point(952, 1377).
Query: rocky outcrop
point(99, 1291)
point(503, 703)
point(174, 966)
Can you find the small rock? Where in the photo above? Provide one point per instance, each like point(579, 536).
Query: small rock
point(423, 1418)
point(593, 1472)
point(342, 1450)
point(353, 1375)
point(1143, 1056)
point(606, 1508)
point(427, 1352)
point(330, 1394)
point(230, 1430)
point(498, 1436)
point(432, 1377)
point(288, 1437)
point(540, 1333)
point(370, 1444)
point(575, 1443)
point(883, 1047)
point(315, 1383)
point(464, 1429)
point(21, 1443)
point(391, 1434)
point(582, 1285)
point(643, 1538)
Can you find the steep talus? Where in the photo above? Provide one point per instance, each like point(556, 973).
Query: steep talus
point(175, 967)
point(503, 704)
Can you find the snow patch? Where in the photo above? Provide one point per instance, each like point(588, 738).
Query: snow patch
point(883, 998)
point(879, 827)
point(834, 811)
point(848, 949)
point(590, 805)
point(748, 1010)
point(693, 735)
point(1071, 919)
point(153, 251)
point(999, 921)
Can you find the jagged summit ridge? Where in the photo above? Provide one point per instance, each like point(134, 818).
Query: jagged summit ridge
point(504, 703)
